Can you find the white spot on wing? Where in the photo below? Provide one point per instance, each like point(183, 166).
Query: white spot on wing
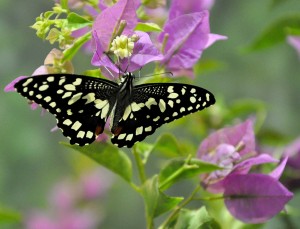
point(50, 79)
point(150, 101)
point(53, 104)
point(61, 81)
point(99, 104)
point(135, 107)
point(126, 112)
point(80, 134)
point(162, 105)
point(90, 97)
point(121, 136)
point(70, 87)
point(171, 103)
point(76, 125)
point(170, 89)
point(129, 137)
point(28, 81)
point(104, 111)
point(77, 82)
point(47, 99)
point(89, 134)
point(207, 97)
point(67, 122)
point(43, 87)
point(192, 99)
point(75, 98)
point(173, 95)
point(139, 130)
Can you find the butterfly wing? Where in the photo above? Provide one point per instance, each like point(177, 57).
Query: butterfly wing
point(81, 104)
point(155, 104)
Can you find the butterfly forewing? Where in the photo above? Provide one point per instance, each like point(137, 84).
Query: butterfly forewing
point(81, 104)
point(155, 104)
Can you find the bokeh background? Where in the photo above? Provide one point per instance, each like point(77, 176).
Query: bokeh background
point(31, 159)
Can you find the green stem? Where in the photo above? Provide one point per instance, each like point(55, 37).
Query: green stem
point(69, 53)
point(140, 166)
point(175, 212)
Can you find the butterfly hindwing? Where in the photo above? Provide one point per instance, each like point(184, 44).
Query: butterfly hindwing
point(81, 104)
point(155, 104)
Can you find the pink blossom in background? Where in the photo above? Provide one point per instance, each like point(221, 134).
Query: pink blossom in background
point(294, 41)
point(73, 204)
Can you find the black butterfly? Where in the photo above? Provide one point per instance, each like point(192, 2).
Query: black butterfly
point(82, 105)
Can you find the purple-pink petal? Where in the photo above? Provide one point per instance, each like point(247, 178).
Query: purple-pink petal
point(244, 166)
point(241, 133)
point(180, 7)
point(254, 198)
point(212, 38)
point(108, 21)
point(11, 85)
point(292, 151)
point(100, 59)
point(144, 52)
point(187, 37)
point(277, 172)
point(294, 41)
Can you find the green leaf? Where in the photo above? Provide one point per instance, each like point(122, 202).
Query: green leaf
point(275, 33)
point(276, 3)
point(195, 219)
point(64, 4)
point(148, 27)
point(204, 66)
point(144, 149)
point(167, 145)
point(69, 53)
point(157, 202)
point(9, 216)
point(183, 168)
point(76, 21)
point(109, 156)
point(293, 31)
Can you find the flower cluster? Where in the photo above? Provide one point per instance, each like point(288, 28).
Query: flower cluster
point(234, 150)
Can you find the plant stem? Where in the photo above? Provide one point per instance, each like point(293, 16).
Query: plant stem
point(140, 166)
point(178, 208)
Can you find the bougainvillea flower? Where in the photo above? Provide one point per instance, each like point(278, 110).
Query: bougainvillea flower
point(143, 53)
point(108, 21)
point(294, 41)
point(254, 198)
point(233, 148)
point(187, 36)
point(180, 7)
point(292, 177)
point(11, 86)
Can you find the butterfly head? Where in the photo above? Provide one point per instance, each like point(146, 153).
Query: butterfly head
point(127, 76)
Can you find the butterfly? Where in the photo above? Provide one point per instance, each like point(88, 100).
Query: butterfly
point(82, 105)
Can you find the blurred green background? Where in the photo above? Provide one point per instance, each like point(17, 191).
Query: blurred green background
point(31, 158)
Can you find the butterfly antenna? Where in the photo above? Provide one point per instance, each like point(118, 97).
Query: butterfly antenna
point(157, 74)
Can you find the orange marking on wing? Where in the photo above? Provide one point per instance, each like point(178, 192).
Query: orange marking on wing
point(117, 130)
point(98, 130)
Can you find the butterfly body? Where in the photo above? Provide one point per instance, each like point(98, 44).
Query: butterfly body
point(83, 104)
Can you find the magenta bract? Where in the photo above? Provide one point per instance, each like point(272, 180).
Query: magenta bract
point(254, 198)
